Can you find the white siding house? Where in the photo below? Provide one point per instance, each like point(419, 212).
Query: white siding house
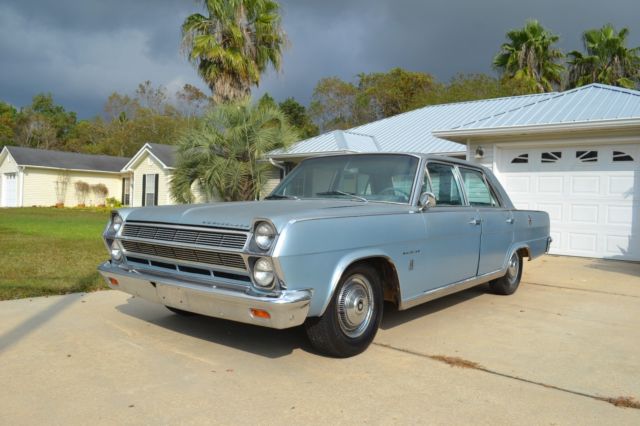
point(151, 169)
point(35, 177)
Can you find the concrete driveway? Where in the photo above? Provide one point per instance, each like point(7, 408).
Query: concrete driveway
point(553, 353)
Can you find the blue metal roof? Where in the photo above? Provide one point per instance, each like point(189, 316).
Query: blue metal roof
point(409, 131)
point(595, 102)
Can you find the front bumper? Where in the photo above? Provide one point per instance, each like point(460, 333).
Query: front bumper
point(288, 309)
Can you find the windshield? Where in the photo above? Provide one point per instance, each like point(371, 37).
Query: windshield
point(386, 178)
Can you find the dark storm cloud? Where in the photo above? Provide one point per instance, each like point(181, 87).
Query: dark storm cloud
point(81, 50)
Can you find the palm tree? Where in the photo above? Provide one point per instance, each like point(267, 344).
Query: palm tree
point(529, 57)
point(223, 157)
point(234, 44)
point(607, 59)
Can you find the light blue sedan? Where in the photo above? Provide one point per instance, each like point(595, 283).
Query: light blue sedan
point(338, 237)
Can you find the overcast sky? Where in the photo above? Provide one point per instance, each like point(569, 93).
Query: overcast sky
point(82, 50)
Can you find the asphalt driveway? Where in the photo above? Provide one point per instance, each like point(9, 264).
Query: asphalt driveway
point(554, 353)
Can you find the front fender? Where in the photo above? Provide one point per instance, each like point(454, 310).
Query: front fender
point(311, 271)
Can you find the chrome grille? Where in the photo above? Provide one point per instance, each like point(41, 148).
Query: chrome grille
point(205, 238)
point(230, 260)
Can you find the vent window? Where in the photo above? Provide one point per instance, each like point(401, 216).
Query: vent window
point(621, 156)
point(551, 157)
point(587, 156)
point(521, 159)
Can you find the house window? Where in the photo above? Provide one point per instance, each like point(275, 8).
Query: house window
point(587, 156)
point(126, 191)
point(521, 159)
point(150, 189)
point(621, 156)
point(551, 157)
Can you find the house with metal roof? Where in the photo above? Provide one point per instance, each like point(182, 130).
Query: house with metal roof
point(574, 154)
point(408, 132)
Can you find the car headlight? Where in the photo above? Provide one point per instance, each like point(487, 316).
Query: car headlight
point(264, 235)
point(116, 223)
point(116, 254)
point(263, 274)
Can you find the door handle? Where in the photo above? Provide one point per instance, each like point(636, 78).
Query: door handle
point(475, 221)
point(510, 220)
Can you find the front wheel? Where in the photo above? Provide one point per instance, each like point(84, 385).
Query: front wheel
point(353, 316)
point(508, 284)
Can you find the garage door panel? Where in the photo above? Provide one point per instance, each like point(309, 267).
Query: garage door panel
point(554, 210)
point(619, 215)
point(621, 186)
point(618, 245)
point(550, 184)
point(584, 213)
point(584, 242)
point(518, 184)
point(585, 185)
point(594, 207)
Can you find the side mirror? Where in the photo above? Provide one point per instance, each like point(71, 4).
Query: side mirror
point(427, 200)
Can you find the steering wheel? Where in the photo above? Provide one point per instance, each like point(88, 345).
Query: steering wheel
point(395, 191)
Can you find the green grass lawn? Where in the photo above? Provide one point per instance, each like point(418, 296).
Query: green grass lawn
point(46, 251)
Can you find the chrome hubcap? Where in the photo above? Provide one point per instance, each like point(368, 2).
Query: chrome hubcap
point(512, 269)
point(355, 306)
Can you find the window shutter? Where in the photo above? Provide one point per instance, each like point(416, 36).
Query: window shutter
point(155, 199)
point(122, 193)
point(144, 189)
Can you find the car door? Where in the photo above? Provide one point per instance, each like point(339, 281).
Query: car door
point(451, 234)
point(496, 221)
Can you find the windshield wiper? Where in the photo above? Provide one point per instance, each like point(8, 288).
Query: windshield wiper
point(343, 193)
point(281, 197)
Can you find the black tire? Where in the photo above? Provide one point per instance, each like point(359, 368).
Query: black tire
point(508, 284)
point(348, 326)
point(180, 312)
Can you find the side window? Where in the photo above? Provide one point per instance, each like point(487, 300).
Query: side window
point(478, 193)
point(444, 185)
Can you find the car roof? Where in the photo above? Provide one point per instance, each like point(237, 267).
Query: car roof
point(419, 155)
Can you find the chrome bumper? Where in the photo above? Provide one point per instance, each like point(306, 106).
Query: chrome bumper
point(288, 309)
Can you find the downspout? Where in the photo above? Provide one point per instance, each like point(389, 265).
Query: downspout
point(278, 164)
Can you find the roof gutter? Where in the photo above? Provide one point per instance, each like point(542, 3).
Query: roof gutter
point(614, 124)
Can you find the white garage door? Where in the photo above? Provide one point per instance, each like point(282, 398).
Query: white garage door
point(592, 195)
point(10, 190)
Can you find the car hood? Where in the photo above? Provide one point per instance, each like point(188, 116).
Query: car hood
point(240, 215)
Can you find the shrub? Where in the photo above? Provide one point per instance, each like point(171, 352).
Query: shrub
point(82, 190)
point(113, 202)
point(101, 191)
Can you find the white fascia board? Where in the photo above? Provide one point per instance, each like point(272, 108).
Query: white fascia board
point(71, 170)
point(614, 124)
point(146, 149)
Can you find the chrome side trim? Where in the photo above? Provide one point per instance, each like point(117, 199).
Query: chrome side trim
point(449, 289)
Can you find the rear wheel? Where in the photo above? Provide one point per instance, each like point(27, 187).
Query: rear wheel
point(508, 284)
point(353, 316)
point(180, 311)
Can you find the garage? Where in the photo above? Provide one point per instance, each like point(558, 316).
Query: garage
point(573, 154)
point(9, 190)
point(590, 193)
